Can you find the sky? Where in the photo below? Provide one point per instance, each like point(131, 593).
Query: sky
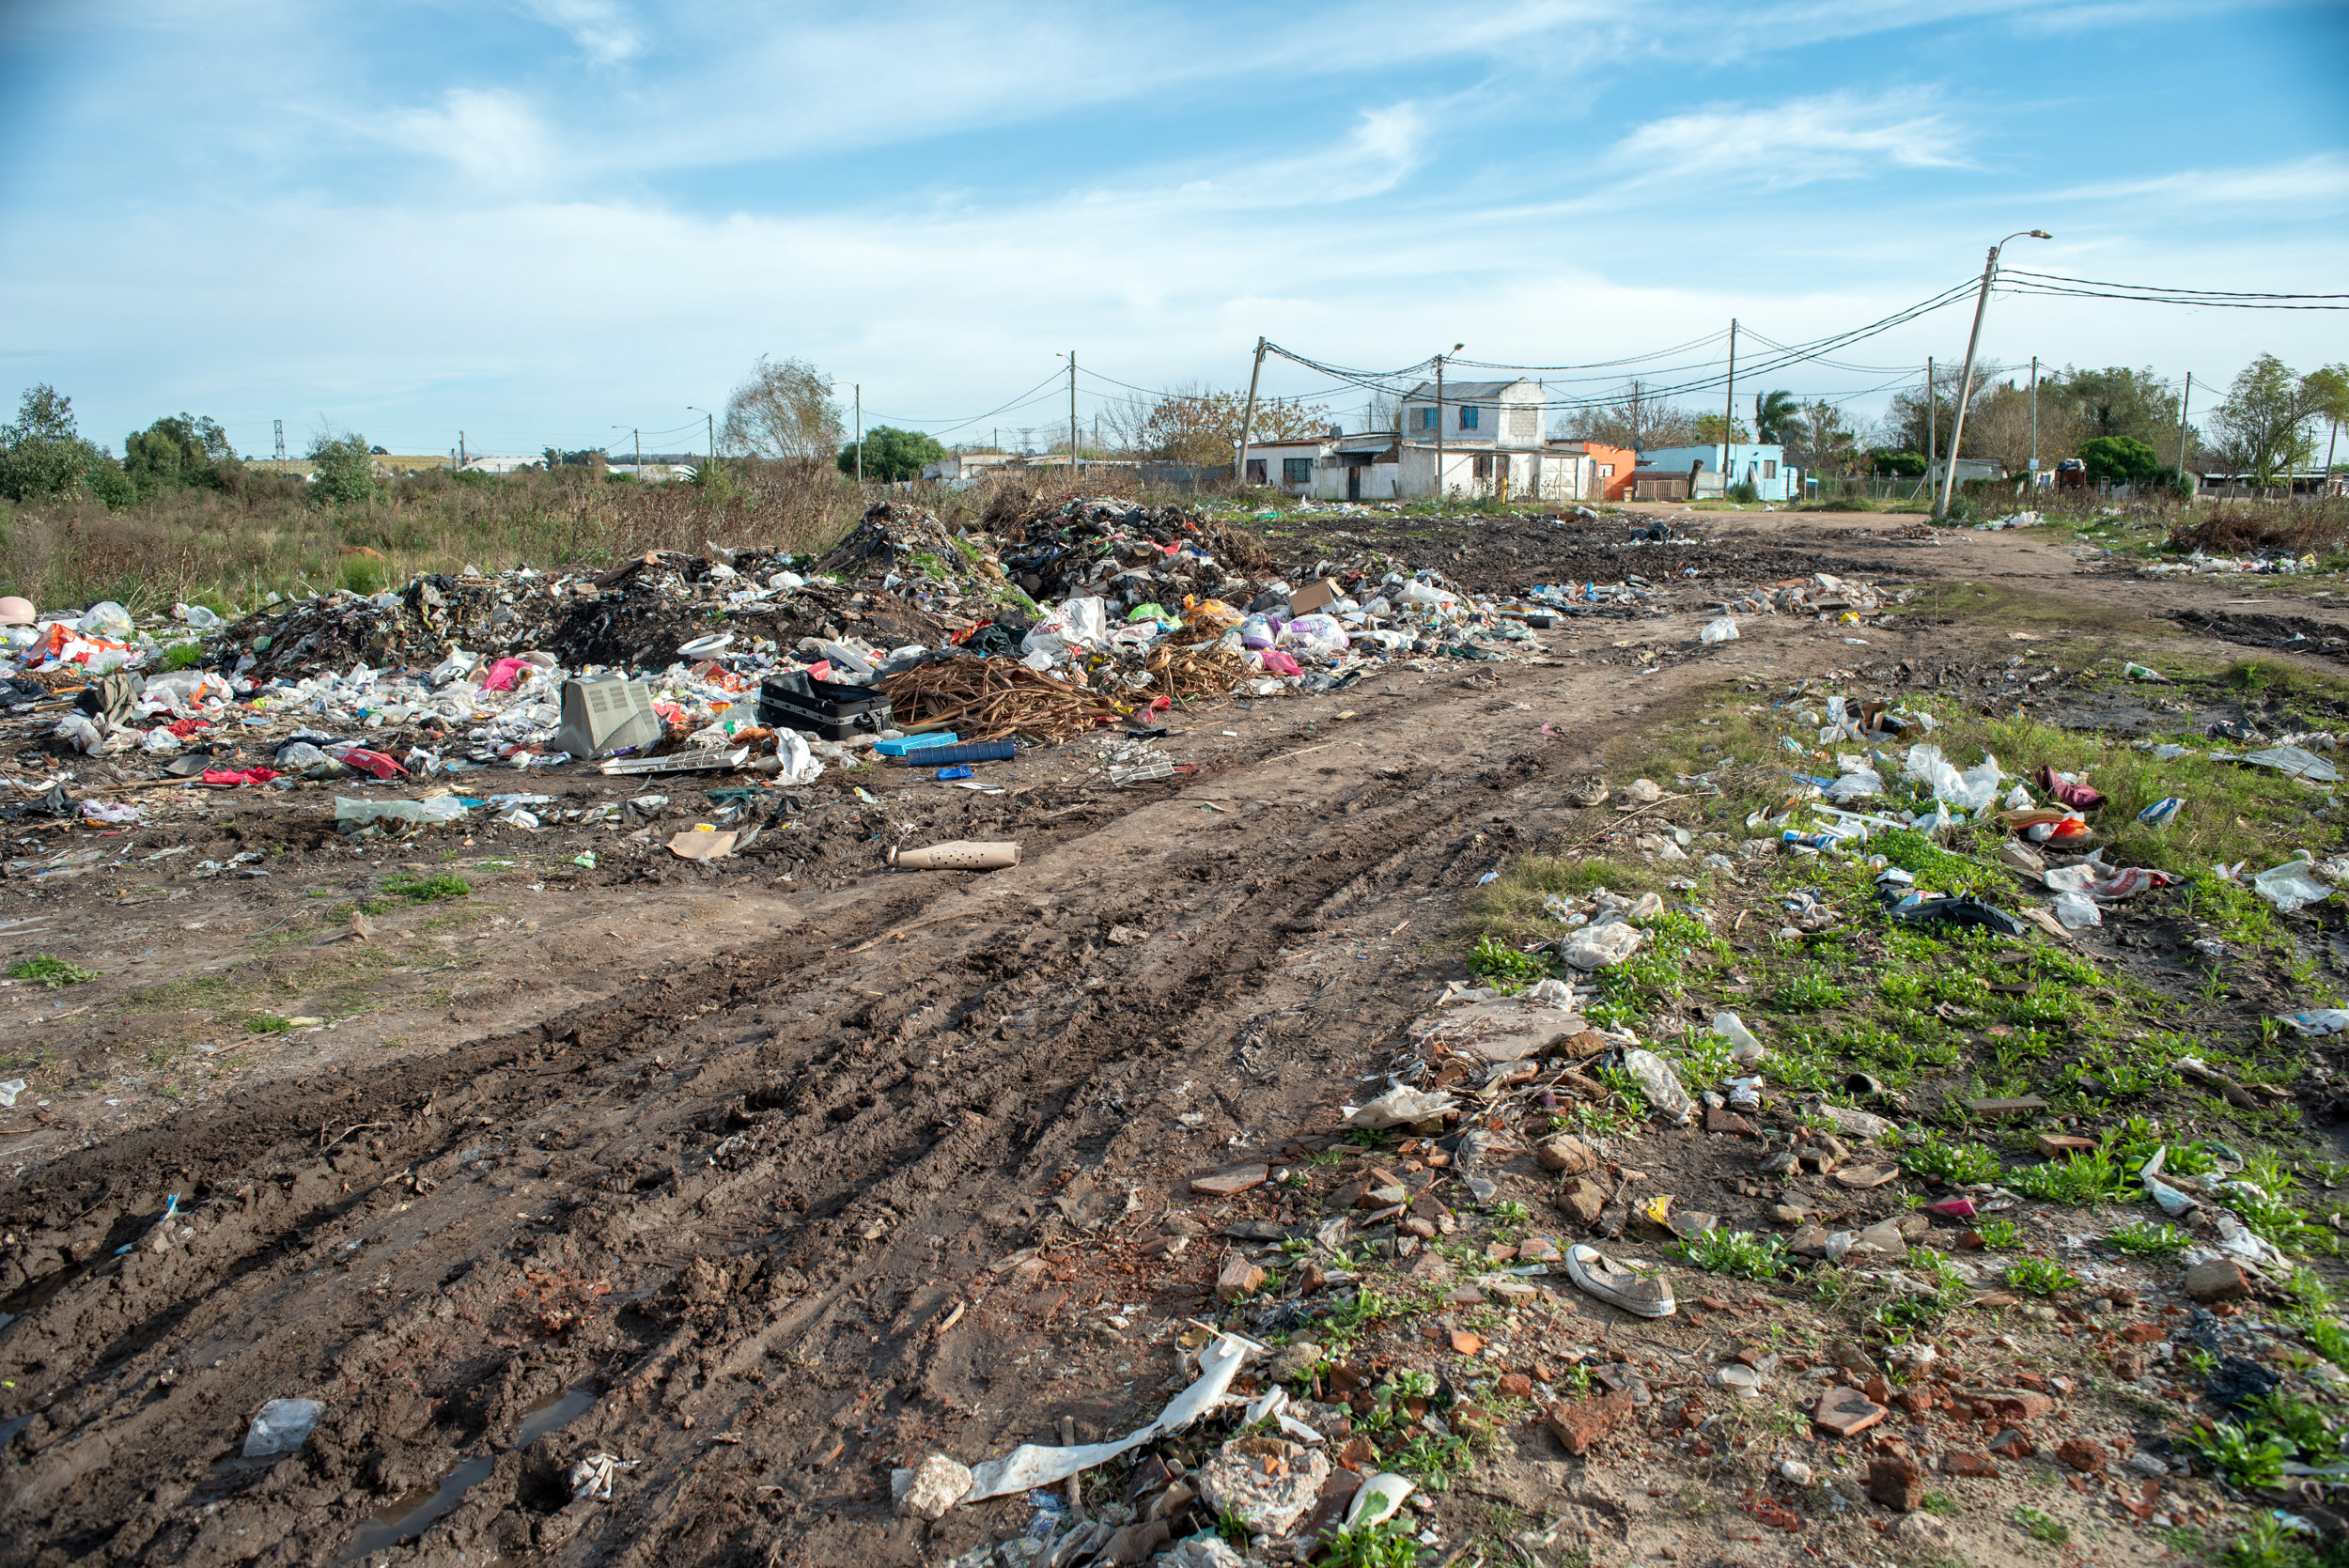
point(554, 221)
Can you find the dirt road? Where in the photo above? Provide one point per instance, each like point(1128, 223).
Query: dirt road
point(861, 1167)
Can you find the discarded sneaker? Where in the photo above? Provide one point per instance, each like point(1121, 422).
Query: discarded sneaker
point(1592, 792)
point(1620, 1284)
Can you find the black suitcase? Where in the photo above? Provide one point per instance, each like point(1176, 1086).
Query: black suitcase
point(822, 708)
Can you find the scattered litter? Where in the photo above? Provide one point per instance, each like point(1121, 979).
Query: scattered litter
point(281, 1426)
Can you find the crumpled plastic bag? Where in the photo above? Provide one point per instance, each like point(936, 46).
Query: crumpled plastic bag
point(2078, 911)
point(1077, 623)
point(1257, 632)
point(799, 764)
point(107, 619)
point(1318, 635)
point(1974, 789)
point(1400, 1108)
point(1660, 1084)
point(2098, 880)
point(1857, 784)
point(1598, 947)
point(2292, 886)
point(2320, 1021)
point(1723, 630)
point(78, 732)
point(197, 616)
point(1275, 662)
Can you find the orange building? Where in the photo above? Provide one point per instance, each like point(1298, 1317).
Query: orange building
point(1615, 464)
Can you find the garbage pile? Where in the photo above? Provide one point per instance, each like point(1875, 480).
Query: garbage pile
point(1821, 597)
point(1095, 614)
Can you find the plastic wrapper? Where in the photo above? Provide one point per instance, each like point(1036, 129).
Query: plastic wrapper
point(2291, 887)
point(1660, 1084)
point(1722, 629)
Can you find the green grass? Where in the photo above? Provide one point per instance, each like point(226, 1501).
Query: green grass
point(52, 973)
point(427, 890)
point(1389, 1545)
point(267, 1023)
point(2142, 1239)
point(1506, 968)
point(2095, 1177)
point(1510, 908)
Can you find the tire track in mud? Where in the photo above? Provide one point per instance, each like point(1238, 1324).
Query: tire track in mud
point(754, 1180)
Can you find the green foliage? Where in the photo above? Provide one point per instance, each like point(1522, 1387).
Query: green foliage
point(2121, 459)
point(2231, 1451)
point(1999, 1235)
point(1809, 992)
point(2041, 1526)
point(891, 455)
point(1388, 1545)
point(42, 455)
point(2266, 1542)
point(2142, 1239)
point(344, 469)
point(1737, 1255)
point(2040, 1276)
point(177, 452)
point(1956, 1164)
point(2095, 1177)
point(1886, 463)
point(1505, 968)
point(50, 972)
point(267, 1023)
point(428, 890)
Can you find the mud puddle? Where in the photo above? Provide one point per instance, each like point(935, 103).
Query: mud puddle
point(409, 1514)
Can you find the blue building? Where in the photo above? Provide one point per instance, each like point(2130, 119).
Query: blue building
point(1764, 467)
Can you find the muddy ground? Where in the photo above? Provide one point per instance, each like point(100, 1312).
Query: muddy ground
point(770, 1175)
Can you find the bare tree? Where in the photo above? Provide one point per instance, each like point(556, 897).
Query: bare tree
point(1384, 413)
point(784, 410)
point(1638, 419)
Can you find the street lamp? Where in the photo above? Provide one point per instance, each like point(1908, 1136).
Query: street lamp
point(1966, 381)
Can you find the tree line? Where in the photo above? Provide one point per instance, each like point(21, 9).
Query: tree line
point(2121, 423)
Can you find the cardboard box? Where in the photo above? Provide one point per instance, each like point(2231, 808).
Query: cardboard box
point(1312, 597)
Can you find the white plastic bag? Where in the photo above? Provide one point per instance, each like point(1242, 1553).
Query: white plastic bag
point(197, 616)
point(1318, 635)
point(1857, 784)
point(1660, 1084)
point(1720, 630)
point(2291, 886)
point(80, 733)
point(1077, 623)
point(107, 619)
point(1972, 790)
point(2078, 911)
point(1400, 1108)
point(799, 766)
point(1598, 947)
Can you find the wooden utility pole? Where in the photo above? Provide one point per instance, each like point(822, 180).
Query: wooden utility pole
point(1072, 412)
point(1248, 423)
point(2183, 401)
point(1932, 410)
point(857, 388)
point(2034, 426)
point(1729, 412)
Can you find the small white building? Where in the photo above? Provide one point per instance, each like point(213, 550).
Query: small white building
point(960, 468)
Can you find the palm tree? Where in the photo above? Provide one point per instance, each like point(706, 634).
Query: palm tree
point(1772, 413)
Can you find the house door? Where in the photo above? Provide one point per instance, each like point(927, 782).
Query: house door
point(1354, 482)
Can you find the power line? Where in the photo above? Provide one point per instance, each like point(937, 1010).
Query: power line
point(2213, 294)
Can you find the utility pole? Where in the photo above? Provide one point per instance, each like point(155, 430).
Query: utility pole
point(1933, 411)
point(859, 387)
point(281, 441)
point(1729, 409)
point(2183, 401)
point(1248, 423)
point(639, 436)
point(1440, 427)
point(461, 457)
point(1072, 412)
point(2034, 426)
point(1965, 381)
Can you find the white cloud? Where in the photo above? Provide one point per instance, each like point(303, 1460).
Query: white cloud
point(2320, 182)
point(1838, 135)
point(601, 29)
point(493, 136)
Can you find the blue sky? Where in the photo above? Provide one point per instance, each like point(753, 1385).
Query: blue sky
point(536, 221)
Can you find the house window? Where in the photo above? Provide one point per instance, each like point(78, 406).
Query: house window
point(1483, 465)
point(1468, 419)
point(1607, 471)
point(1770, 468)
point(1296, 470)
point(1426, 419)
point(1256, 470)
